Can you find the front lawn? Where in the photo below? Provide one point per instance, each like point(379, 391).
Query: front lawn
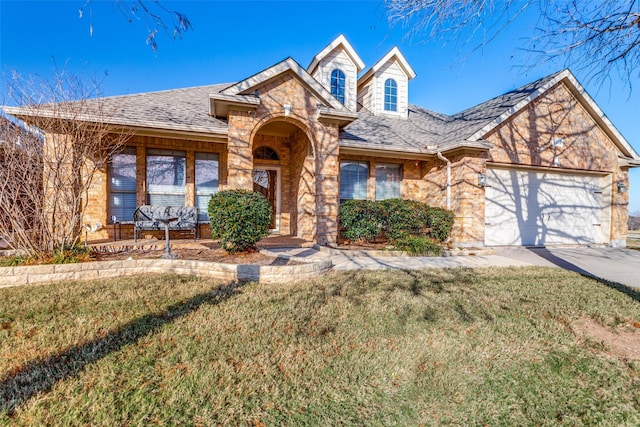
point(435, 347)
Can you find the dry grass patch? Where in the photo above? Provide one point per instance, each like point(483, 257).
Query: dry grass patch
point(429, 347)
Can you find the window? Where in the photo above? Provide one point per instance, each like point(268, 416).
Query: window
point(122, 185)
point(206, 182)
point(265, 153)
point(353, 180)
point(388, 177)
point(166, 177)
point(337, 85)
point(390, 95)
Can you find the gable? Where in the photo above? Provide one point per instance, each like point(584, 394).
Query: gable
point(371, 86)
point(540, 88)
point(249, 85)
point(340, 44)
point(554, 130)
point(339, 60)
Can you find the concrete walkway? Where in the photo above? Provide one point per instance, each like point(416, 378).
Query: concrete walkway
point(615, 265)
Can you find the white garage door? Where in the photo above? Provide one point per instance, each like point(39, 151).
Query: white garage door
point(541, 208)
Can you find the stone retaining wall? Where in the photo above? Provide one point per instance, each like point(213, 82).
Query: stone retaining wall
point(27, 275)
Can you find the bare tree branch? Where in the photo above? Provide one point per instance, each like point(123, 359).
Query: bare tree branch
point(155, 15)
point(50, 152)
point(599, 38)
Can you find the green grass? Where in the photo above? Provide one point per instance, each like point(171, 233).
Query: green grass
point(460, 347)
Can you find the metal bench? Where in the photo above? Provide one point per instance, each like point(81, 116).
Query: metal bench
point(145, 218)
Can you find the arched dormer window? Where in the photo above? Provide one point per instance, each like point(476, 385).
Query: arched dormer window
point(265, 153)
point(390, 95)
point(338, 85)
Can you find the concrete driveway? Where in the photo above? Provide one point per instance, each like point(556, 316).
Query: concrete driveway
point(613, 264)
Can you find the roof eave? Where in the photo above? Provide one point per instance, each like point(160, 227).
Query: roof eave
point(341, 117)
point(220, 103)
point(26, 114)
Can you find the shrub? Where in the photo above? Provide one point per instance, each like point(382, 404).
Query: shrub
point(394, 219)
point(417, 245)
point(402, 218)
point(439, 221)
point(239, 218)
point(361, 219)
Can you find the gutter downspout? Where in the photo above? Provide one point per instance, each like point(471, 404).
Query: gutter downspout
point(444, 159)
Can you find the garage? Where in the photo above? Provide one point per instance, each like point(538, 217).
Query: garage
point(543, 207)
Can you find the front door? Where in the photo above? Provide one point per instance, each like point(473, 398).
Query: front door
point(266, 181)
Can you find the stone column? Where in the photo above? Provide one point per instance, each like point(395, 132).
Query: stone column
point(240, 157)
point(327, 171)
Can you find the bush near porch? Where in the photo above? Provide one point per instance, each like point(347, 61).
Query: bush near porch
point(239, 218)
point(409, 225)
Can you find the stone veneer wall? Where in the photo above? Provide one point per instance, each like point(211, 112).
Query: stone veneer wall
point(29, 275)
point(526, 139)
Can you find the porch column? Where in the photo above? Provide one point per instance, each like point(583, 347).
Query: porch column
point(240, 157)
point(328, 170)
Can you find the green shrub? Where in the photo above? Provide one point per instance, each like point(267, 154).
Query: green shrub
point(402, 218)
point(417, 245)
point(394, 219)
point(361, 219)
point(439, 221)
point(239, 218)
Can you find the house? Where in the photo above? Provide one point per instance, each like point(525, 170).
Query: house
point(539, 165)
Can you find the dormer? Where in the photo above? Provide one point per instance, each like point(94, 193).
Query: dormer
point(336, 68)
point(384, 88)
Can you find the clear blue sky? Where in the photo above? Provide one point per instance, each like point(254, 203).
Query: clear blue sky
point(233, 40)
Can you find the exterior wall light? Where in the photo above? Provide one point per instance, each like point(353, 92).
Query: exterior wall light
point(622, 188)
point(287, 110)
point(482, 180)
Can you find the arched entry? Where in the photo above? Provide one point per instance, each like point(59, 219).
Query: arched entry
point(283, 170)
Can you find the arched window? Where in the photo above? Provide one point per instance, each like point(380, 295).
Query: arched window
point(265, 153)
point(390, 95)
point(337, 85)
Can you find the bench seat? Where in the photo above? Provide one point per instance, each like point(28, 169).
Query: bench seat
point(145, 218)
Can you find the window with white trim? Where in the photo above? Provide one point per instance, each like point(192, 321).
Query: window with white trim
point(122, 185)
point(353, 180)
point(166, 177)
point(206, 182)
point(390, 95)
point(388, 178)
point(338, 85)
